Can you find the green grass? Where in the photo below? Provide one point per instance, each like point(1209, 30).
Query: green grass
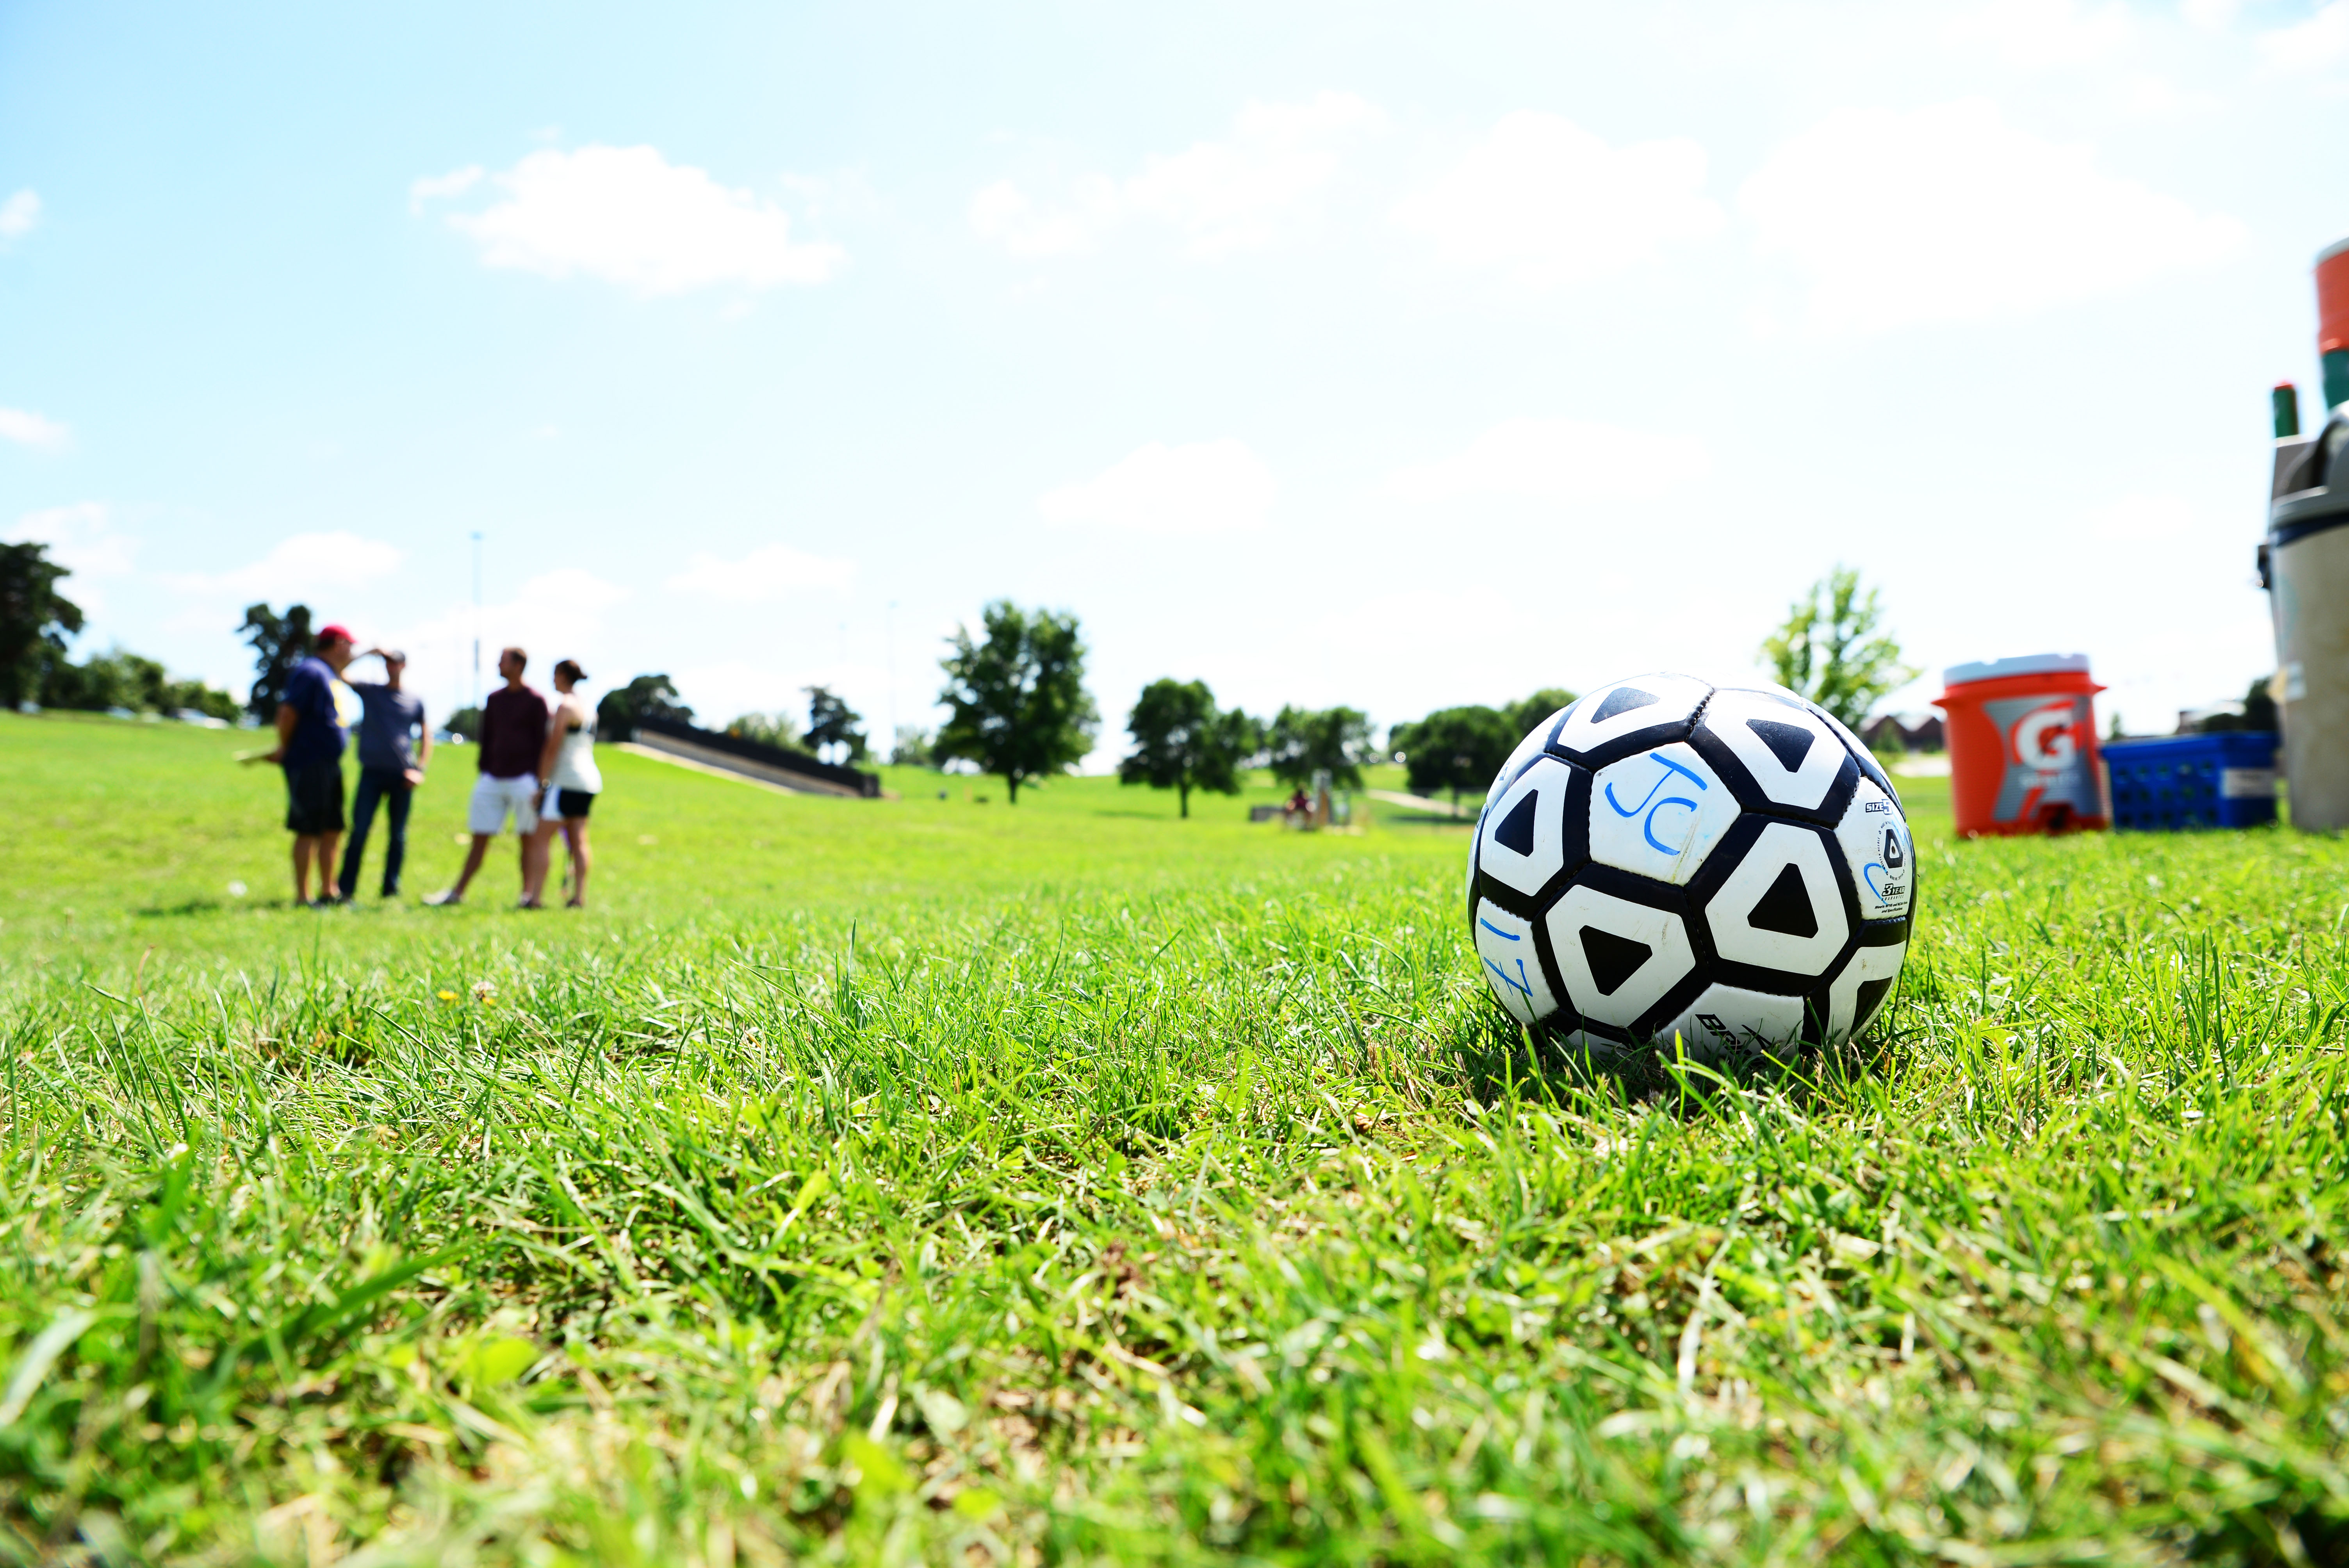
point(931, 1180)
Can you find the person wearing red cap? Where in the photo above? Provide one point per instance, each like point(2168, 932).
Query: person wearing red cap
point(312, 719)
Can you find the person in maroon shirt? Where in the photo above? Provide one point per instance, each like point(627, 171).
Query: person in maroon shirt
point(513, 732)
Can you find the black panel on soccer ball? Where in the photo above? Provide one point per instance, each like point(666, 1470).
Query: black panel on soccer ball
point(1576, 830)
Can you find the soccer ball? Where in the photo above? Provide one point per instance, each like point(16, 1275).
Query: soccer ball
point(1665, 858)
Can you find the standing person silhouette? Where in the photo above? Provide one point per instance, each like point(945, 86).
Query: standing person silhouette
point(317, 708)
point(395, 746)
point(573, 782)
point(514, 731)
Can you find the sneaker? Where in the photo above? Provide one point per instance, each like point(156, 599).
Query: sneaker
point(444, 898)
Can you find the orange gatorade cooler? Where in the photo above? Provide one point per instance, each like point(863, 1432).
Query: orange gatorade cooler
point(2023, 746)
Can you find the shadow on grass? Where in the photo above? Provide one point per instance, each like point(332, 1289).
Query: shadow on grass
point(186, 907)
point(1497, 1057)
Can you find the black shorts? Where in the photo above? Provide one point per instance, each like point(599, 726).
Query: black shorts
point(314, 798)
point(569, 803)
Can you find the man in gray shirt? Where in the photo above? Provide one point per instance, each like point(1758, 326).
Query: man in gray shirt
point(395, 743)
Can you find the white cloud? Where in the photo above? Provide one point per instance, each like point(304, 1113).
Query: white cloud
point(2034, 34)
point(770, 572)
point(2141, 520)
point(28, 429)
point(557, 614)
point(435, 187)
point(629, 216)
point(1206, 487)
point(81, 538)
point(1948, 213)
point(1249, 192)
point(20, 214)
point(1550, 203)
point(1003, 213)
point(1562, 463)
point(2312, 45)
point(299, 568)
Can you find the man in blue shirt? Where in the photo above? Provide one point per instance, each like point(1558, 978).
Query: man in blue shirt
point(395, 744)
point(317, 708)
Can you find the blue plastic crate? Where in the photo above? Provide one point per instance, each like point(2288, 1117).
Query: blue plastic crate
point(2222, 780)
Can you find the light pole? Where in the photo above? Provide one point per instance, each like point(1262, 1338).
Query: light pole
point(889, 663)
point(477, 618)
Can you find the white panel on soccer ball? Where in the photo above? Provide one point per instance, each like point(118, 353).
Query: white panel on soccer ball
point(1627, 708)
point(1870, 768)
point(1730, 1020)
point(1780, 909)
point(1854, 996)
point(1659, 813)
point(1505, 943)
point(1618, 958)
point(1789, 750)
point(1527, 749)
point(1521, 843)
point(1878, 848)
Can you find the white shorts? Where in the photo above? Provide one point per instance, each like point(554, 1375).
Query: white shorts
point(494, 798)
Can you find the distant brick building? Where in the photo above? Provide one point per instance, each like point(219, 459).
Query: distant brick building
point(1888, 733)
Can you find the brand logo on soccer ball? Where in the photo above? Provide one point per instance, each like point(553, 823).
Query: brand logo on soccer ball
point(1653, 806)
point(1892, 855)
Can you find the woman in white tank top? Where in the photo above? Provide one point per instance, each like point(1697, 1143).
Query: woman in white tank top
point(572, 781)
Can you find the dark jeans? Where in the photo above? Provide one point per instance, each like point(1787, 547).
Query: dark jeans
point(389, 785)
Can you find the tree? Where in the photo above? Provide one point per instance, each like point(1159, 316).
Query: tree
point(34, 619)
point(778, 728)
point(832, 722)
point(1016, 703)
point(1305, 741)
point(278, 643)
point(1454, 748)
point(912, 749)
point(1830, 649)
point(647, 697)
point(1182, 742)
point(1523, 715)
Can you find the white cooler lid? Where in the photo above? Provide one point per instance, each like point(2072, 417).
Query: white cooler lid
point(2020, 664)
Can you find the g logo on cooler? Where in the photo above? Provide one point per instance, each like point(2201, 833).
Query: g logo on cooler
point(2043, 738)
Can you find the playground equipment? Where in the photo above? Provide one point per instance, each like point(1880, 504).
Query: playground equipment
point(2304, 565)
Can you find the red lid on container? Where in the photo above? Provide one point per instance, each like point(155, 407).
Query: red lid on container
point(2333, 299)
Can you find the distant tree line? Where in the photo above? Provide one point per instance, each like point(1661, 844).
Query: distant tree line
point(35, 622)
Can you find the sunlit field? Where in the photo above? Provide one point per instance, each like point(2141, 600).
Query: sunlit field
point(941, 1180)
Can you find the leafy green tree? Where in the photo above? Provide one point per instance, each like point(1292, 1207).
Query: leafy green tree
point(1832, 650)
point(1182, 742)
point(647, 697)
point(832, 722)
point(1455, 748)
point(1016, 703)
point(1305, 741)
point(466, 724)
point(34, 619)
point(1523, 715)
point(278, 643)
point(777, 728)
point(912, 749)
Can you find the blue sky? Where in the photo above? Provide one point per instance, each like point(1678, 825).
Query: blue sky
point(1392, 355)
